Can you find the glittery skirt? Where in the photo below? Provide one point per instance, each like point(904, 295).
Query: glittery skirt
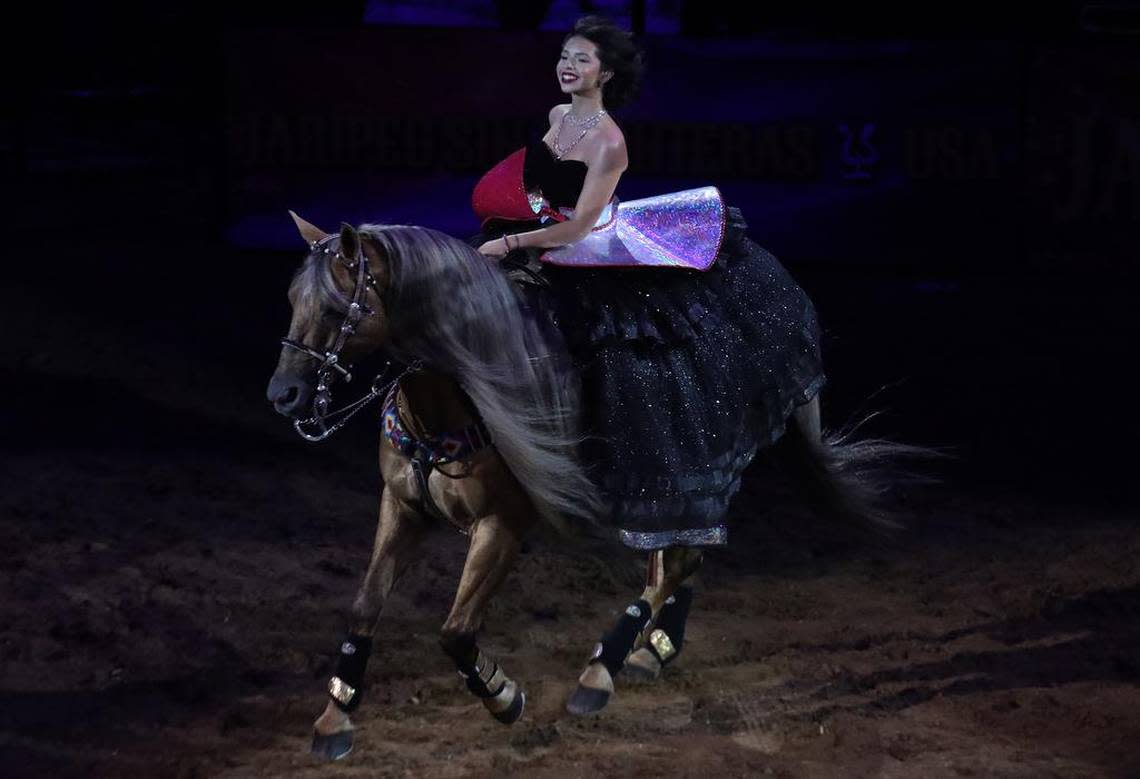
point(685, 375)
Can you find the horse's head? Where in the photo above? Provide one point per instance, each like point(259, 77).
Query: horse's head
point(338, 314)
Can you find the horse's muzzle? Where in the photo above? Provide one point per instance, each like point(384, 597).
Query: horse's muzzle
point(291, 396)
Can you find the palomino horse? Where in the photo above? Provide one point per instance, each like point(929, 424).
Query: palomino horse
point(482, 432)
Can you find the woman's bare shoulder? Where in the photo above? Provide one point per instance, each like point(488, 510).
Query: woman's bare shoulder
point(607, 151)
point(612, 142)
point(613, 136)
point(557, 112)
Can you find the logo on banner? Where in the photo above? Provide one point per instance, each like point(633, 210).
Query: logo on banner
point(857, 153)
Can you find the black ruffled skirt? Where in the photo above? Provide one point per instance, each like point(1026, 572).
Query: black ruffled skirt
point(685, 374)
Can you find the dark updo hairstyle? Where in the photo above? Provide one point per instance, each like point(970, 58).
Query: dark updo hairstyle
point(618, 53)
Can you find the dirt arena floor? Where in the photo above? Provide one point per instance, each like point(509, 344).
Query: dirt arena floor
point(194, 640)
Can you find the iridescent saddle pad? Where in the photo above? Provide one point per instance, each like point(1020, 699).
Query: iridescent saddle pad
point(679, 229)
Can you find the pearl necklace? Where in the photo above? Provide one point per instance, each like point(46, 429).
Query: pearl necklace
point(586, 124)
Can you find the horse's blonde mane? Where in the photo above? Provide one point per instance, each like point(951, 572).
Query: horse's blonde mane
point(452, 308)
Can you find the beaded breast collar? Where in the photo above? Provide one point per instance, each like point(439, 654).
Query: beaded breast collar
point(434, 450)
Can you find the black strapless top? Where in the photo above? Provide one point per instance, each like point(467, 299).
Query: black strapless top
point(560, 180)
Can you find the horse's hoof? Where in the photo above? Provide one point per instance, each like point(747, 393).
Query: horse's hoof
point(511, 714)
point(587, 700)
point(641, 667)
point(334, 746)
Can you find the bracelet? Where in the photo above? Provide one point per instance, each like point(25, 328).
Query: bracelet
point(506, 243)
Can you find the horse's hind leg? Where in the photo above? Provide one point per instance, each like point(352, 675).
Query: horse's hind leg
point(667, 638)
point(806, 416)
point(668, 570)
point(399, 530)
point(495, 543)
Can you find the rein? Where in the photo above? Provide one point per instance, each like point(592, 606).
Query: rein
point(324, 421)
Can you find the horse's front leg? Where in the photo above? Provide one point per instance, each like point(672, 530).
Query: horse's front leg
point(397, 535)
point(668, 569)
point(495, 543)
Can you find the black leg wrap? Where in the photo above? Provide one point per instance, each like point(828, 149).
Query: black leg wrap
point(461, 649)
point(483, 676)
point(612, 650)
point(669, 633)
point(345, 685)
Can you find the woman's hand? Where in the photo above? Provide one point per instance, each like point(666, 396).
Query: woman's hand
point(497, 247)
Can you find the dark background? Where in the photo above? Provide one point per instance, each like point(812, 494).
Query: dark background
point(167, 543)
point(975, 264)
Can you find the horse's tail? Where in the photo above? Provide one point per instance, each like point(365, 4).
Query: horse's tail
point(845, 478)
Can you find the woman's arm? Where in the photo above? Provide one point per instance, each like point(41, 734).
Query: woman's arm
point(604, 169)
point(602, 176)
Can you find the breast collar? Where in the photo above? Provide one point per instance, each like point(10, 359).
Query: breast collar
point(434, 450)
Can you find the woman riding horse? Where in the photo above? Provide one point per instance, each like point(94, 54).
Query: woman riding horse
point(623, 363)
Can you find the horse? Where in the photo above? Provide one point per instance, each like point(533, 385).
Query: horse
point(482, 431)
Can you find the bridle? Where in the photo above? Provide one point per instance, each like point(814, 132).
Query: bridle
point(328, 422)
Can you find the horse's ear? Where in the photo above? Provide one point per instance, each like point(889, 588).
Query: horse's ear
point(349, 241)
point(311, 233)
